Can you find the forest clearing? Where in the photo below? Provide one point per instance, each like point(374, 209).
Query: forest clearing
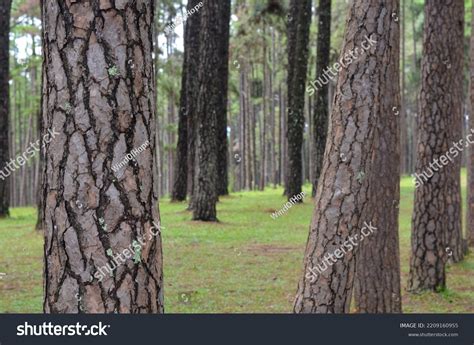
point(247, 263)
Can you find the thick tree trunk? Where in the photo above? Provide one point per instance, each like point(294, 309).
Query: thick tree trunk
point(299, 21)
point(377, 286)
point(102, 240)
point(434, 205)
point(343, 207)
point(470, 160)
point(321, 109)
point(213, 60)
point(5, 8)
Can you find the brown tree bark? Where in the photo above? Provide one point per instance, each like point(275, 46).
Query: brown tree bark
point(321, 110)
point(434, 204)
point(98, 96)
point(343, 200)
point(5, 9)
point(214, 33)
point(186, 122)
point(377, 286)
point(299, 20)
point(470, 160)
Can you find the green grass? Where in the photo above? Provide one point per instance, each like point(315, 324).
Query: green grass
point(248, 262)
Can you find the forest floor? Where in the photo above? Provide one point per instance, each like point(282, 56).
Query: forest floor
point(246, 263)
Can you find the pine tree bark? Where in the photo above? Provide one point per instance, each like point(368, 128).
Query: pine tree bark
point(343, 200)
point(214, 34)
point(299, 21)
point(186, 122)
point(321, 110)
point(434, 204)
point(5, 9)
point(377, 286)
point(98, 96)
point(470, 160)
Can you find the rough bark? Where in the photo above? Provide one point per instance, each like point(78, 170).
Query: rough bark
point(214, 33)
point(98, 95)
point(470, 160)
point(5, 8)
point(321, 110)
point(377, 286)
point(299, 20)
point(434, 204)
point(343, 198)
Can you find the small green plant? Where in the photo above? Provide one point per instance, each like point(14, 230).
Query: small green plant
point(113, 71)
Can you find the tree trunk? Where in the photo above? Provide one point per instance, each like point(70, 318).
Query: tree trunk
point(344, 206)
point(98, 97)
point(321, 110)
point(470, 160)
point(213, 60)
point(434, 204)
point(5, 8)
point(299, 21)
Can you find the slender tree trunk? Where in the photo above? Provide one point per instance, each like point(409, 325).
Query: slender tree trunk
point(320, 116)
point(344, 206)
point(214, 34)
point(98, 99)
point(440, 69)
point(470, 160)
point(299, 21)
point(5, 8)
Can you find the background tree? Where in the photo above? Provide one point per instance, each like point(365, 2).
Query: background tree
point(436, 124)
point(186, 124)
point(98, 85)
point(299, 20)
point(364, 93)
point(321, 109)
point(470, 160)
point(5, 8)
point(214, 33)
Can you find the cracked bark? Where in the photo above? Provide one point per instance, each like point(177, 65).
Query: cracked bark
point(343, 198)
point(299, 21)
point(321, 110)
point(435, 199)
point(5, 8)
point(211, 108)
point(98, 87)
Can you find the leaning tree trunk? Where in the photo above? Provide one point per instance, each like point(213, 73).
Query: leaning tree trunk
point(432, 214)
point(377, 285)
point(98, 95)
point(299, 20)
point(470, 160)
point(343, 201)
point(185, 145)
point(455, 64)
point(321, 109)
point(5, 8)
point(214, 34)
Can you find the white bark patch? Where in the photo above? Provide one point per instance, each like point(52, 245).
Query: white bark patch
point(96, 61)
point(114, 210)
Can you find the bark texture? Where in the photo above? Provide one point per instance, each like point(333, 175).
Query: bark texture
point(343, 198)
point(299, 20)
point(98, 94)
point(377, 286)
point(5, 8)
point(214, 34)
point(321, 109)
point(434, 204)
point(187, 108)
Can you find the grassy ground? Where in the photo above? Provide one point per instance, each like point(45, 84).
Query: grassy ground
point(248, 262)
